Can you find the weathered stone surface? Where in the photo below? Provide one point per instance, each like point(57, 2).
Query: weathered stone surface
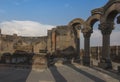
point(11, 43)
point(62, 38)
point(39, 62)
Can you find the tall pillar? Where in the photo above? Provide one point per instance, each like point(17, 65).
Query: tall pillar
point(86, 56)
point(53, 41)
point(106, 29)
point(78, 45)
point(49, 42)
point(76, 30)
point(118, 19)
point(78, 41)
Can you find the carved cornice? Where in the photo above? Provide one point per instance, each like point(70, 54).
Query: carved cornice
point(110, 3)
point(106, 28)
point(97, 11)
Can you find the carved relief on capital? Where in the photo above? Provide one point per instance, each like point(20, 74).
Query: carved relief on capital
point(87, 33)
point(106, 28)
point(87, 28)
point(97, 11)
point(77, 27)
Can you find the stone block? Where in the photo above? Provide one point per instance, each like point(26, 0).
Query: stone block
point(39, 63)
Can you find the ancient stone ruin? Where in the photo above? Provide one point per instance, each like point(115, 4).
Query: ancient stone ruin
point(64, 41)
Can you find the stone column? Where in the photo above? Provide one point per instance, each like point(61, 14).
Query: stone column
point(53, 41)
point(86, 56)
point(118, 19)
point(49, 41)
point(106, 29)
point(77, 42)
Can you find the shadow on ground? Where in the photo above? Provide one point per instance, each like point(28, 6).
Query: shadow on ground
point(108, 72)
point(15, 67)
point(14, 75)
point(92, 77)
point(56, 74)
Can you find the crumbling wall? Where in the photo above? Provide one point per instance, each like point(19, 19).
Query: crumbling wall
point(40, 46)
point(11, 43)
point(61, 41)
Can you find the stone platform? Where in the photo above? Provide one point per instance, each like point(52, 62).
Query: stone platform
point(57, 73)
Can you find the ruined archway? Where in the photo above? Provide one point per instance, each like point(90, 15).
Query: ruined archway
point(87, 30)
point(111, 10)
point(76, 25)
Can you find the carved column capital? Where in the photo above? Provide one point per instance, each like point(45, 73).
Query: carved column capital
point(77, 27)
point(106, 28)
point(87, 32)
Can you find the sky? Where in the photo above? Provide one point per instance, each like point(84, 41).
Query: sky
point(35, 17)
point(52, 12)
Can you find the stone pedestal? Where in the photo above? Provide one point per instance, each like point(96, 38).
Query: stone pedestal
point(39, 63)
point(86, 60)
point(105, 61)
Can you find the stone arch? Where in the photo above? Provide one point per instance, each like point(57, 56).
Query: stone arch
point(76, 21)
point(75, 26)
point(87, 30)
point(93, 19)
point(96, 16)
point(111, 9)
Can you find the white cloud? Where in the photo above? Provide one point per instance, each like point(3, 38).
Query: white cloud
point(31, 28)
point(24, 28)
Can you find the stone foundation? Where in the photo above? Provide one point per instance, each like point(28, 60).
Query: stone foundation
point(39, 63)
point(105, 65)
point(86, 61)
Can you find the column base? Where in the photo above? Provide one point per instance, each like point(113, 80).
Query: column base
point(86, 61)
point(105, 64)
point(76, 60)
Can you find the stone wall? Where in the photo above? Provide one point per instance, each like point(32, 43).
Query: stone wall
point(114, 53)
point(11, 43)
point(61, 41)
